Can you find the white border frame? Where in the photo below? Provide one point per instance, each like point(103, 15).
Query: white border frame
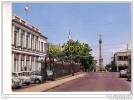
point(6, 54)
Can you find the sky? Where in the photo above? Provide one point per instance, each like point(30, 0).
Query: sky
point(85, 21)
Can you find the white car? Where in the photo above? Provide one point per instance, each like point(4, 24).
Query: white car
point(16, 82)
point(36, 77)
point(123, 73)
point(25, 77)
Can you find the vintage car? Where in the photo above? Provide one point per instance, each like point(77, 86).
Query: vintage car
point(36, 77)
point(25, 77)
point(16, 81)
point(123, 73)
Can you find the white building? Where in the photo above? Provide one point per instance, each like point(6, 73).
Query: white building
point(122, 59)
point(28, 46)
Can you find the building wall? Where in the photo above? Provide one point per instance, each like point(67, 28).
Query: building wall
point(28, 46)
point(121, 59)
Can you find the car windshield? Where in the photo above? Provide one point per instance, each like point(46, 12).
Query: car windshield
point(20, 74)
point(14, 74)
point(36, 73)
point(26, 73)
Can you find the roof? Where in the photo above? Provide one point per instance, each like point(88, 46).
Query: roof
point(27, 25)
point(124, 51)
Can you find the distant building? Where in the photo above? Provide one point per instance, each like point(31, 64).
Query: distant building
point(28, 46)
point(122, 59)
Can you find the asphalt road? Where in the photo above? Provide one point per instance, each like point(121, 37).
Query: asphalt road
point(100, 81)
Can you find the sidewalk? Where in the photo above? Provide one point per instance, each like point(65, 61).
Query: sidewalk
point(51, 84)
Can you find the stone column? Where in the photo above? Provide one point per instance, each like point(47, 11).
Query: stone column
point(13, 63)
point(12, 34)
point(19, 63)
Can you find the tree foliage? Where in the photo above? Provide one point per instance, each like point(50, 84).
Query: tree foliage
point(73, 50)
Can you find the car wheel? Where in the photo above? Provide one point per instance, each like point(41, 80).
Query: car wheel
point(19, 87)
point(37, 81)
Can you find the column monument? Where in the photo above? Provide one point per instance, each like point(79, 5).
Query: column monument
point(101, 67)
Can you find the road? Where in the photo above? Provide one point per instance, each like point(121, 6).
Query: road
point(95, 81)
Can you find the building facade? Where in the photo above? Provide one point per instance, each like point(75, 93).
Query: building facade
point(28, 46)
point(122, 59)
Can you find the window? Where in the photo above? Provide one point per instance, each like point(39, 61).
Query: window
point(39, 45)
point(36, 63)
point(22, 62)
point(42, 46)
point(15, 37)
point(16, 58)
point(22, 38)
point(27, 38)
point(36, 43)
point(16, 32)
point(122, 58)
point(27, 63)
point(32, 41)
point(32, 62)
point(45, 47)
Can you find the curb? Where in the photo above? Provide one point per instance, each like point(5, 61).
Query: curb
point(52, 84)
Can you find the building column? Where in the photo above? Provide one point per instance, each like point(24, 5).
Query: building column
point(25, 35)
point(12, 34)
point(19, 63)
point(19, 38)
point(13, 63)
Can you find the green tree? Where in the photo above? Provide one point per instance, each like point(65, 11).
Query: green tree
point(79, 52)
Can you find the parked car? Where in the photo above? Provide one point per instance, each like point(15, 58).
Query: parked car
point(36, 77)
point(123, 73)
point(129, 74)
point(16, 82)
point(25, 77)
point(50, 75)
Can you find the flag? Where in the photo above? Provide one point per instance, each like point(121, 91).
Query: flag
point(26, 9)
point(69, 36)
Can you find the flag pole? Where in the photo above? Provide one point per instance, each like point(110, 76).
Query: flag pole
point(26, 9)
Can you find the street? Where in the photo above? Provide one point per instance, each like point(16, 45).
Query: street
point(95, 81)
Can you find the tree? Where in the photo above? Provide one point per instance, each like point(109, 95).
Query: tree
point(54, 50)
point(79, 52)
